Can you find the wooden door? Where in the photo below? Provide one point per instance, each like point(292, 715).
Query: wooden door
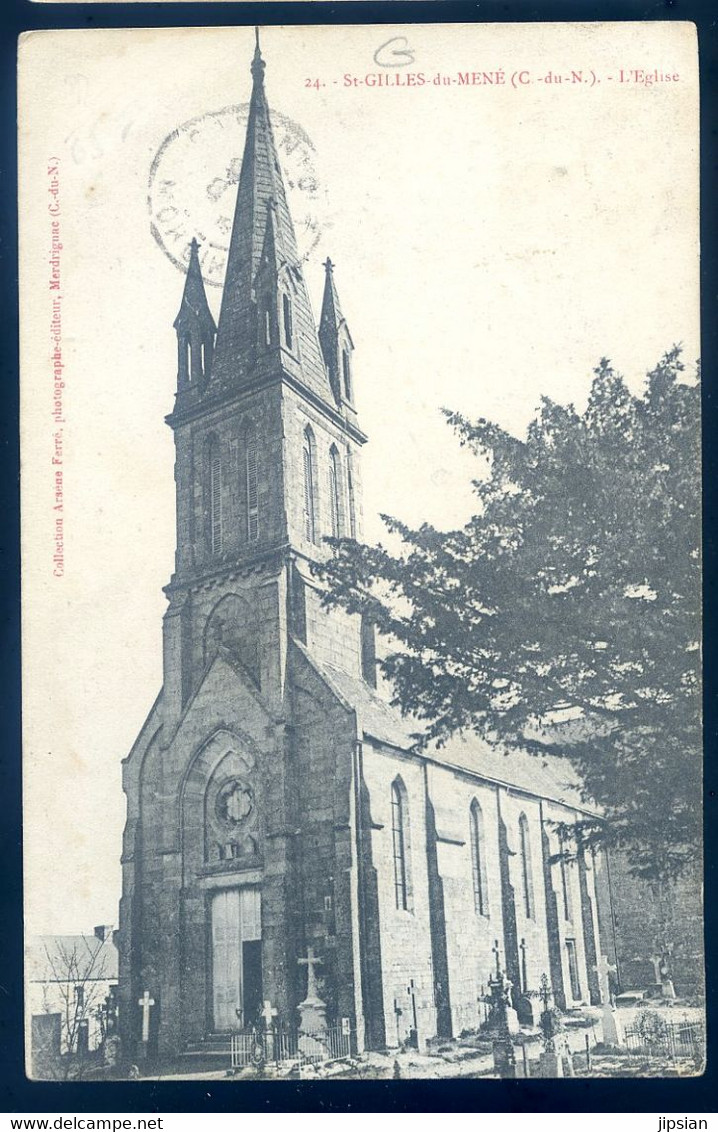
point(236, 922)
point(226, 959)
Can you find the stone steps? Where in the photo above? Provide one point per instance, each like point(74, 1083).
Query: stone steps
point(212, 1048)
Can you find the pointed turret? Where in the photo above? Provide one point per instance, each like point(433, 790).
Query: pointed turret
point(336, 341)
point(195, 327)
point(266, 312)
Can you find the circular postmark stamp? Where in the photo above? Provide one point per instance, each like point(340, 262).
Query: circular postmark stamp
point(193, 182)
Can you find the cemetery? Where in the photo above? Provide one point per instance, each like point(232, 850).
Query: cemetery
point(637, 1033)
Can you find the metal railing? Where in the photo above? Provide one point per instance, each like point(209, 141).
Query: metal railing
point(678, 1041)
point(282, 1046)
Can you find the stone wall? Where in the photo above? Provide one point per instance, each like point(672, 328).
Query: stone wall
point(406, 944)
point(572, 912)
point(299, 413)
point(470, 934)
point(323, 738)
point(648, 918)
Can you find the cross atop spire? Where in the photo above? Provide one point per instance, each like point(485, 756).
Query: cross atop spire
point(194, 298)
point(330, 304)
point(265, 318)
point(195, 328)
point(335, 339)
point(258, 64)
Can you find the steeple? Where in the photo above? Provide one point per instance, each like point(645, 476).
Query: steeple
point(195, 327)
point(266, 434)
point(336, 341)
point(265, 319)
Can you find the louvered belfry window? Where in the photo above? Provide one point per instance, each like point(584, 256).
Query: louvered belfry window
point(252, 492)
point(346, 373)
point(334, 499)
point(215, 496)
point(309, 502)
point(350, 493)
point(288, 326)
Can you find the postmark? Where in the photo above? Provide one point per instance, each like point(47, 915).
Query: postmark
point(192, 186)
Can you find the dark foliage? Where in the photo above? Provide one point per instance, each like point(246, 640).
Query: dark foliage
point(565, 616)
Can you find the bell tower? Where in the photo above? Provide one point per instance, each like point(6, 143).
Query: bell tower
point(266, 437)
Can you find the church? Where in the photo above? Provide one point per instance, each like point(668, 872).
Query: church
point(275, 800)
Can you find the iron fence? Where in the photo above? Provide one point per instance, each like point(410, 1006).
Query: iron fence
point(283, 1046)
point(679, 1041)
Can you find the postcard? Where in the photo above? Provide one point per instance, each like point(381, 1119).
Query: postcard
point(361, 551)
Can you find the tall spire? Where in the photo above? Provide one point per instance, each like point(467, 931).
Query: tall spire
point(195, 326)
point(335, 339)
point(265, 307)
point(194, 305)
point(258, 64)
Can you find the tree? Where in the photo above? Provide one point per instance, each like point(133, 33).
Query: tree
point(565, 616)
point(75, 973)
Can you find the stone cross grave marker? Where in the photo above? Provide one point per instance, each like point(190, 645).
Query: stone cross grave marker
point(269, 1012)
point(397, 1015)
point(662, 976)
point(312, 1009)
point(657, 961)
point(310, 963)
point(603, 968)
point(524, 969)
point(612, 1027)
point(146, 1003)
point(497, 952)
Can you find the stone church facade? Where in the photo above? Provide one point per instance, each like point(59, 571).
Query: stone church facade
point(274, 799)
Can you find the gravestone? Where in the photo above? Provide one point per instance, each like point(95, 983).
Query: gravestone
point(661, 961)
point(45, 1039)
point(83, 1037)
point(145, 1003)
point(268, 1015)
point(525, 1010)
point(313, 1042)
point(111, 1051)
point(313, 1009)
point(416, 1038)
point(557, 1062)
point(499, 998)
point(500, 992)
point(612, 1027)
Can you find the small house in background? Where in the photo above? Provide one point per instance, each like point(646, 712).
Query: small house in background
point(70, 980)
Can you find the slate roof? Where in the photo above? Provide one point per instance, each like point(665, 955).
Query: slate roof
point(261, 190)
point(194, 307)
point(49, 957)
point(545, 776)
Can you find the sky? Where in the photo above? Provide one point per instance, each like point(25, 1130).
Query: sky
point(491, 240)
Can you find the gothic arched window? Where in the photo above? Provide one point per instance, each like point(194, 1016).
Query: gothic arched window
point(252, 492)
point(566, 887)
point(401, 845)
point(334, 492)
point(478, 861)
point(350, 493)
point(346, 372)
point(309, 495)
point(215, 496)
point(527, 881)
point(288, 327)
